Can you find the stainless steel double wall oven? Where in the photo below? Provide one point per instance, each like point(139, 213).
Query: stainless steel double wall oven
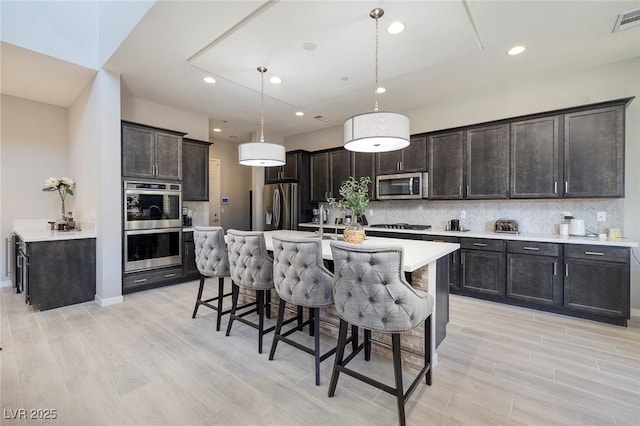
point(152, 225)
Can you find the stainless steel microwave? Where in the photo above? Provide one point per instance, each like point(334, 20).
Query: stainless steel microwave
point(403, 186)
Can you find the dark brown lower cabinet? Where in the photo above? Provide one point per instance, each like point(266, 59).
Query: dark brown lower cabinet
point(534, 272)
point(189, 268)
point(453, 258)
point(596, 280)
point(482, 263)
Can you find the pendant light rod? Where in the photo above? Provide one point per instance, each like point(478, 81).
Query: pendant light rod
point(376, 14)
point(262, 70)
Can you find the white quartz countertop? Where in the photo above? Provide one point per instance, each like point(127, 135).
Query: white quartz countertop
point(33, 230)
point(417, 253)
point(545, 238)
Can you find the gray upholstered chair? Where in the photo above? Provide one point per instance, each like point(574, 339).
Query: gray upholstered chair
point(301, 279)
point(252, 268)
point(212, 261)
point(370, 292)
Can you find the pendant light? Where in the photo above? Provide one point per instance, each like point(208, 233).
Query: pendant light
point(261, 153)
point(376, 131)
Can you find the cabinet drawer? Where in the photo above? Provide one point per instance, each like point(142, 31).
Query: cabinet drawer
point(187, 236)
point(593, 252)
point(482, 244)
point(531, 247)
point(151, 277)
point(440, 239)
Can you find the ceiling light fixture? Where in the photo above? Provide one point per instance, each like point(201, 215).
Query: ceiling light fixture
point(380, 89)
point(209, 80)
point(516, 50)
point(376, 131)
point(299, 114)
point(395, 27)
point(217, 130)
point(261, 153)
point(275, 80)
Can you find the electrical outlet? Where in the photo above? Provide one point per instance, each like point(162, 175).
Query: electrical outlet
point(463, 214)
point(602, 216)
point(370, 212)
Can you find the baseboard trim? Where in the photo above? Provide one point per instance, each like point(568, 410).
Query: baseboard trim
point(635, 312)
point(109, 301)
point(6, 283)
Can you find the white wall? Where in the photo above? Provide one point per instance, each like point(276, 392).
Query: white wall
point(94, 131)
point(543, 93)
point(34, 146)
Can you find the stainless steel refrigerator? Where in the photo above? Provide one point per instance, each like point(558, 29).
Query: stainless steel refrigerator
point(281, 206)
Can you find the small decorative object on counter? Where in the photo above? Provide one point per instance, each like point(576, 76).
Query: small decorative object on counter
point(64, 186)
point(354, 200)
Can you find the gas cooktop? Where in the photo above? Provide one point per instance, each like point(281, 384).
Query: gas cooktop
point(401, 226)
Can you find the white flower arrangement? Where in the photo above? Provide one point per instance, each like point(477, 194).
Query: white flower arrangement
point(63, 185)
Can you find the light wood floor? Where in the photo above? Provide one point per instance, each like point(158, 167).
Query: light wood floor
point(146, 362)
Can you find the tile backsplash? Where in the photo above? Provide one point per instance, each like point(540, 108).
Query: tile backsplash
point(533, 216)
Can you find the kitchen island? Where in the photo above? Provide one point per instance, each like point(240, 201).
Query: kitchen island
point(426, 268)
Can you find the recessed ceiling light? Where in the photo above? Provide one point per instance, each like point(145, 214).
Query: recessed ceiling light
point(275, 80)
point(395, 27)
point(516, 50)
point(209, 80)
point(299, 114)
point(217, 130)
point(309, 46)
point(380, 89)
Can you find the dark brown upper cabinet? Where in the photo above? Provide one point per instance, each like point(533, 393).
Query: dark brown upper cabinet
point(290, 172)
point(446, 166)
point(487, 163)
point(413, 158)
point(364, 164)
point(151, 153)
point(535, 149)
point(594, 153)
point(195, 170)
point(328, 170)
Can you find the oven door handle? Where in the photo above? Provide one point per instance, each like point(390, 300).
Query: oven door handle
point(152, 231)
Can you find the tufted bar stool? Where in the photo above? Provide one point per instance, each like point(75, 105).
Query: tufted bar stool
point(212, 261)
point(370, 292)
point(252, 268)
point(301, 279)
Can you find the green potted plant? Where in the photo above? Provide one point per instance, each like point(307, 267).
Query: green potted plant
point(355, 198)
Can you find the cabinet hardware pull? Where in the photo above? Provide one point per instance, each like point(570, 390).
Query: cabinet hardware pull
point(555, 187)
point(479, 244)
point(531, 248)
point(566, 270)
point(594, 253)
point(467, 190)
point(169, 275)
point(460, 190)
point(566, 186)
point(141, 280)
point(555, 269)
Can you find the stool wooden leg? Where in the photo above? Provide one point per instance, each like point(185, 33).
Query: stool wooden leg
point(316, 342)
point(299, 314)
point(234, 304)
point(312, 317)
point(220, 297)
point(342, 341)
point(367, 345)
point(195, 310)
point(397, 371)
point(354, 340)
point(281, 306)
point(267, 303)
point(260, 294)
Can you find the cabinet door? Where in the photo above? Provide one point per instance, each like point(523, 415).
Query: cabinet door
point(597, 287)
point(487, 162)
point(594, 153)
point(290, 169)
point(534, 158)
point(195, 171)
point(137, 151)
point(339, 170)
point(364, 164)
point(189, 268)
point(534, 279)
point(272, 174)
point(454, 259)
point(319, 177)
point(168, 155)
point(446, 164)
point(414, 157)
point(483, 272)
point(388, 163)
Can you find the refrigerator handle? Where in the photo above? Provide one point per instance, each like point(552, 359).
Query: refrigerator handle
point(277, 208)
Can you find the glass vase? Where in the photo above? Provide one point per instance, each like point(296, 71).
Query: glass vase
point(354, 233)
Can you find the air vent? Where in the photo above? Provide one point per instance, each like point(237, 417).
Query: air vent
point(627, 20)
point(322, 118)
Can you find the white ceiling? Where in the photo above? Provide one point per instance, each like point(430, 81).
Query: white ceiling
point(448, 47)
